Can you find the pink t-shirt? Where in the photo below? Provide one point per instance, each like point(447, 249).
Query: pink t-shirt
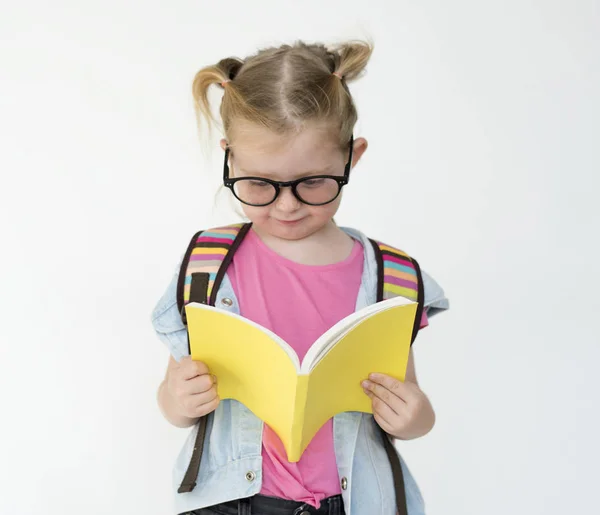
point(298, 303)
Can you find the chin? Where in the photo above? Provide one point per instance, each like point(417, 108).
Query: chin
point(297, 231)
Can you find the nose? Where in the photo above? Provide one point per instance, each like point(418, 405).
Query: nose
point(286, 201)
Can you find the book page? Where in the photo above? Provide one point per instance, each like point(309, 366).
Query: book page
point(377, 344)
point(251, 364)
point(325, 342)
point(225, 316)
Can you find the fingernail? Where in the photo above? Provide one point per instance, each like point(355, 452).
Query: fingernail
point(214, 377)
point(374, 376)
point(366, 384)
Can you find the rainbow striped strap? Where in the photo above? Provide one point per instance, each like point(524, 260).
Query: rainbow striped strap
point(206, 260)
point(210, 253)
point(399, 275)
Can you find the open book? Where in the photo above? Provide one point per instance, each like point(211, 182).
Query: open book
point(260, 370)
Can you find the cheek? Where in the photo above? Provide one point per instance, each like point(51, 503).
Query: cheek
point(255, 213)
point(325, 212)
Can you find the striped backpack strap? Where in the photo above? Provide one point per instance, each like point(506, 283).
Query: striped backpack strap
point(399, 275)
point(205, 262)
point(202, 271)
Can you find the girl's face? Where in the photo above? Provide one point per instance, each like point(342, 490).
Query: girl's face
point(259, 152)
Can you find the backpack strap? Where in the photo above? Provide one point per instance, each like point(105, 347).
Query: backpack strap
point(202, 270)
point(398, 275)
point(205, 262)
point(397, 474)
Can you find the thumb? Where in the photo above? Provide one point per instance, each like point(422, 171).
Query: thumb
point(190, 368)
point(201, 367)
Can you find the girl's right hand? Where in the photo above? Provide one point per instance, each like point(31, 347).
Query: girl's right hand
point(192, 387)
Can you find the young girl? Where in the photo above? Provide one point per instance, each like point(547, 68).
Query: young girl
point(288, 119)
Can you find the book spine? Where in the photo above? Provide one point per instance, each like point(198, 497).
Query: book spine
point(296, 444)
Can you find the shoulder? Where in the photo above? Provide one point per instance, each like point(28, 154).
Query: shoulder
point(435, 296)
point(205, 249)
point(166, 319)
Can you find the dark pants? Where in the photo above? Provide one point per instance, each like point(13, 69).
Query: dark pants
point(261, 505)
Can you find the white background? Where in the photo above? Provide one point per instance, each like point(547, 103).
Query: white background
point(483, 120)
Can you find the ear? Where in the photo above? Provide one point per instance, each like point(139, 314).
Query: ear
point(223, 143)
point(359, 148)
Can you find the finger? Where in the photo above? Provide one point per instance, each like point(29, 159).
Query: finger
point(201, 404)
point(399, 388)
point(190, 368)
point(200, 384)
point(187, 368)
point(382, 412)
point(197, 384)
point(199, 399)
point(182, 388)
point(202, 401)
point(201, 367)
point(385, 395)
point(382, 409)
point(383, 424)
point(205, 409)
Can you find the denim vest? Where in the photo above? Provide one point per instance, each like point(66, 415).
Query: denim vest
point(231, 461)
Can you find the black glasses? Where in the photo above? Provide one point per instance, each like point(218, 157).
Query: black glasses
point(314, 190)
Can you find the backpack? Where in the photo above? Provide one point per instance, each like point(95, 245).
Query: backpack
point(202, 271)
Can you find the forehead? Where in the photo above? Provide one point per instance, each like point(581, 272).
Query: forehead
point(258, 149)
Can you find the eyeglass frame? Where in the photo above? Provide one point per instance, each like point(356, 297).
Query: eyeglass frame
point(228, 182)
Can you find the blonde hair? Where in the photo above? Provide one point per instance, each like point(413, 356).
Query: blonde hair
point(283, 88)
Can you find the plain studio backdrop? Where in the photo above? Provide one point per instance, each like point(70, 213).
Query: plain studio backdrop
point(483, 122)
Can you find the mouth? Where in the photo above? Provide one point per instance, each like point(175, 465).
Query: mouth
point(290, 222)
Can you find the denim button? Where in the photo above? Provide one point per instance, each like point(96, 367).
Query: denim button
point(227, 302)
point(344, 483)
point(250, 476)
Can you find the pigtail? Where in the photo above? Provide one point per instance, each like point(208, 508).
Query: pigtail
point(235, 103)
point(220, 74)
point(230, 66)
point(347, 63)
point(351, 59)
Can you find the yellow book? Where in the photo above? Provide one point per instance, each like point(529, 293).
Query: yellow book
point(260, 370)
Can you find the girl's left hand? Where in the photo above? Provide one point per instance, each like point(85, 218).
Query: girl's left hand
point(400, 408)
